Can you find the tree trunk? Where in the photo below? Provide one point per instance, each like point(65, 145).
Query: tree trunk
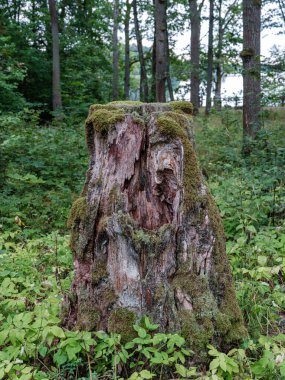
point(210, 59)
point(153, 62)
point(127, 51)
point(146, 235)
point(195, 20)
point(218, 84)
point(251, 71)
point(143, 73)
point(115, 86)
point(56, 91)
point(161, 49)
point(169, 82)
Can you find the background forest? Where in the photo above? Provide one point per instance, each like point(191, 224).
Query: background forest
point(56, 59)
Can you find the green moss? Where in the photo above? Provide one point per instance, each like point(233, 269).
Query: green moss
point(103, 119)
point(222, 323)
point(121, 321)
point(78, 211)
point(88, 317)
point(182, 106)
point(196, 334)
point(230, 307)
point(109, 296)
point(99, 272)
point(229, 321)
point(202, 299)
point(174, 126)
point(249, 52)
point(144, 240)
point(138, 119)
point(160, 293)
point(127, 223)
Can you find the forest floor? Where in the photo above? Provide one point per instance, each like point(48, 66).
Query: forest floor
point(42, 172)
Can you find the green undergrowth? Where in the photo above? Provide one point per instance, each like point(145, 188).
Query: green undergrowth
point(42, 173)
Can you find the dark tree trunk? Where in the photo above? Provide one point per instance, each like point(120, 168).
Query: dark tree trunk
point(115, 86)
point(195, 20)
point(161, 49)
point(146, 234)
point(127, 51)
point(218, 84)
point(251, 71)
point(56, 91)
point(143, 72)
point(153, 62)
point(210, 59)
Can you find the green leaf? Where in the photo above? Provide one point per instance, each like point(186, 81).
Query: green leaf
point(43, 351)
point(141, 331)
point(3, 336)
point(223, 364)
point(215, 363)
point(57, 331)
point(148, 324)
point(60, 357)
point(72, 351)
point(184, 372)
point(145, 374)
point(262, 260)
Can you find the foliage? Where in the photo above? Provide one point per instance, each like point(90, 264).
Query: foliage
point(12, 73)
point(43, 171)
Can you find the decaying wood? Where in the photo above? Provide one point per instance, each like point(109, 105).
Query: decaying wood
point(146, 237)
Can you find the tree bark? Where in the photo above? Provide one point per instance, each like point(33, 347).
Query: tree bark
point(161, 49)
point(143, 72)
point(153, 62)
point(56, 88)
point(115, 95)
point(195, 20)
point(127, 51)
point(251, 71)
point(210, 59)
point(146, 235)
point(218, 86)
point(169, 82)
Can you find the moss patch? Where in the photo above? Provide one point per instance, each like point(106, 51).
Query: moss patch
point(103, 119)
point(121, 321)
point(99, 272)
point(108, 296)
point(229, 321)
point(249, 52)
point(87, 317)
point(174, 125)
point(222, 323)
point(78, 211)
point(182, 106)
point(230, 307)
point(196, 334)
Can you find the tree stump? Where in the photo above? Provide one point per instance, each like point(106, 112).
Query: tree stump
point(146, 235)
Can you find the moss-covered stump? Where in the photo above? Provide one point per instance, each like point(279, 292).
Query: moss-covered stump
point(146, 234)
